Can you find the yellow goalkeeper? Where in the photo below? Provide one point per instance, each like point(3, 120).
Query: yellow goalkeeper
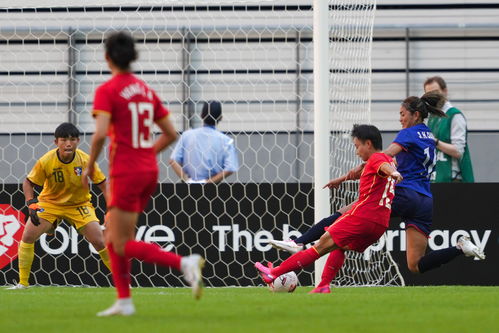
point(63, 198)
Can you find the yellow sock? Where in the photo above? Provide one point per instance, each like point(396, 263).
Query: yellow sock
point(26, 253)
point(104, 255)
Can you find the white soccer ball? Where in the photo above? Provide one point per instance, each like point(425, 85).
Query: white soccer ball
point(285, 283)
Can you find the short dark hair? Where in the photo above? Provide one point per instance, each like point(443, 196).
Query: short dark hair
point(438, 79)
point(66, 130)
point(368, 132)
point(120, 47)
point(212, 112)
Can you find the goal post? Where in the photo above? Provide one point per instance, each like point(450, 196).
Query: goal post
point(257, 58)
point(322, 205)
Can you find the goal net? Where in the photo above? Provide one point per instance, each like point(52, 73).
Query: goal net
point(256, 58)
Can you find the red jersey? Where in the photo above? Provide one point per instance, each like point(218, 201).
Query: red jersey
point(376, 191)
point(134, 107)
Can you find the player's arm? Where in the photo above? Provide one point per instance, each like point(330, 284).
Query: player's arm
point(102, 122)
point(168, 135)
point(103, 187)
point(386, 169)
point(28, 189)
point(31, 201)
point(353, 174)
point(393, 149)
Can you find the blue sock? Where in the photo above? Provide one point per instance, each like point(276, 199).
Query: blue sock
point(438, 258)
point(317, 230)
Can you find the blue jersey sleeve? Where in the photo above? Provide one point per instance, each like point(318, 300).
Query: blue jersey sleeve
point(405, 138)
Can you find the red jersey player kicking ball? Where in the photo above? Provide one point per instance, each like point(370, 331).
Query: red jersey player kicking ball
point(364, 223)
point(126, 109)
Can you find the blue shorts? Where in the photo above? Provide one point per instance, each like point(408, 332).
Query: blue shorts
point(415, 209)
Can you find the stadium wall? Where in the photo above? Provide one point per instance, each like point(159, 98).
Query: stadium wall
point(412, 41)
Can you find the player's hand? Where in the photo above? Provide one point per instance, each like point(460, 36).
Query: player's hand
point(356, 172)
point(334, 183)
point(33, 209)
point(397, 176)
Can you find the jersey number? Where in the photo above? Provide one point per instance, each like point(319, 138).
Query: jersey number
point(390, 187)
point(83, 210)
point(58, 176)
point(430, 161)
point(141, 135)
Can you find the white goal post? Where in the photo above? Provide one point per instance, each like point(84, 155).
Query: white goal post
point(258, 59)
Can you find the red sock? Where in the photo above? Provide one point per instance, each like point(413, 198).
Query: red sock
point(297, 260)
point(120, 269)
point(332, 267)
point(152, 253)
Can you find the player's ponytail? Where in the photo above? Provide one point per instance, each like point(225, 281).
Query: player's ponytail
point(120, 47)
point(431, 102)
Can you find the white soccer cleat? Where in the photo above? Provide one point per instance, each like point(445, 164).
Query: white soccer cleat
point(122, 307)
point(192, 266)
point(469, 249)
point(287, 245)
point(18, 286)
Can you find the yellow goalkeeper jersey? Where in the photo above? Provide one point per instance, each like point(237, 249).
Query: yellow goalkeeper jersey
point(62, 181)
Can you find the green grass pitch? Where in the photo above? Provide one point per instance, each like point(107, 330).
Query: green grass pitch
point(384, 309)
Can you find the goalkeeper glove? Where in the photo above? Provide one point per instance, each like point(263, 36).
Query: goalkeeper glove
point(33, 209)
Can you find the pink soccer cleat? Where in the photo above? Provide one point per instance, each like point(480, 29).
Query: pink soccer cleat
point(320, 290)
point(264, 273)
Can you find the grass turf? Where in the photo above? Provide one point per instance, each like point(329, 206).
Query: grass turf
point(388, 309)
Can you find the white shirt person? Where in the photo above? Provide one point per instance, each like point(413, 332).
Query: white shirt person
point(205, 155)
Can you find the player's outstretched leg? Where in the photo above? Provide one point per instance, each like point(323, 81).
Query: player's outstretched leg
point(264, 272)
point(296, 261)
point(469, 249)
point(286, 245)
point(311, 235)
point(192, 267)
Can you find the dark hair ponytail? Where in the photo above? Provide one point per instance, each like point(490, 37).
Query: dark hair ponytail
point(120, 47)
point(431, 102)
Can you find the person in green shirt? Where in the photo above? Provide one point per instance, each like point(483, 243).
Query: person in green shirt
point(451, 140)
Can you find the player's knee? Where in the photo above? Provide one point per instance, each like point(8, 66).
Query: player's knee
point(325, 244)
point(29, 237)
point(99, 244)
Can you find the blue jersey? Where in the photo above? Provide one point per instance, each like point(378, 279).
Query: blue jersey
point(417, 159)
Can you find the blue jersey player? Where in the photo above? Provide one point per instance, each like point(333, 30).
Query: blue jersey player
point(414, 149)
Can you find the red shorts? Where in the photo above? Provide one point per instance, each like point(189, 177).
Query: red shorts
point(355, 233)
point(131, 193)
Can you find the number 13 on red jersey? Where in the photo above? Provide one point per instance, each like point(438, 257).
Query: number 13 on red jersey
point(142, 114)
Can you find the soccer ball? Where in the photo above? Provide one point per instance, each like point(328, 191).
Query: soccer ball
point(285, 283)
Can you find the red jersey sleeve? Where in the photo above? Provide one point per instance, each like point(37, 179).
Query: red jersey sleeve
point(102, 101)
point(159, 110)
point(378, 159)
